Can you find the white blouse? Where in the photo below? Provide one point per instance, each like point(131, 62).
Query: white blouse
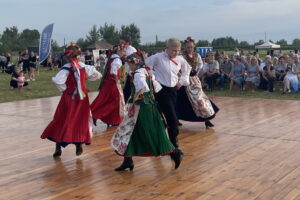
point(116, 64)
point(166, 71)
point(61, 77)
point(129, 50)
point(199, 62)
point(140, 82)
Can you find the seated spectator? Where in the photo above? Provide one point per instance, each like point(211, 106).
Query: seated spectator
point(15, 82)
point(203, 71)
point(225, 69)
point(237, 73)
point(252, 80)
point(275, 61)
point(258, 59)
point(220, 60)
point(217, 55)
point(232, 59)
point(290, 83)
point(212, 72)
point(280, 69)
point(268, 77)
point(248, 58)
point(21, 80)
point(297, 67)
point(264, 62)
point(244, 61)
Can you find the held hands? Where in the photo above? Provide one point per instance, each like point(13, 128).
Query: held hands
point(131, 110)
point(178, 86)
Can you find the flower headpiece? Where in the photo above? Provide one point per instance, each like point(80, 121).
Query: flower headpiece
point(189, 39)
point(72, 50)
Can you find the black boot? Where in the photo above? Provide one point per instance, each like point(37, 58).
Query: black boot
point(127, 163)
point(57, 151)
point(208, 124)
point(95, 121)
point(177, 156)
point(79, 149)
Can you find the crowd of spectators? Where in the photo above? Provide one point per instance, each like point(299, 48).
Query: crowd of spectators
point(249, 72)
point(238, 70)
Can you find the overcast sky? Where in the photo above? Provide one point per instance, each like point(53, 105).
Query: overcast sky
point(202, 19)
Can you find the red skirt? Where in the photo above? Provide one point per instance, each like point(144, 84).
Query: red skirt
point(106, 106)
point(70, 124)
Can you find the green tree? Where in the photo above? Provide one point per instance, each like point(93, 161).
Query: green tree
point(28, 38)
point(296, 42)
point(82, 43)
point(224, 42)
point(282, 42)
point(202, 43)
point(93, 35)
point(244, 44)
point(259, 42)
point(55, 46)
point(109, 33)
point(9, 39)
point(133, 32)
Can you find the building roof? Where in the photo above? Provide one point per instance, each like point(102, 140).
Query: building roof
point(101, 45)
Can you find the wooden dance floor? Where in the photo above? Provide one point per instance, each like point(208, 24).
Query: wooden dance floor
point(252, 153)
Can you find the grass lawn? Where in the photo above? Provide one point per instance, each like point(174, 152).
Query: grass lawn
point(43, 87)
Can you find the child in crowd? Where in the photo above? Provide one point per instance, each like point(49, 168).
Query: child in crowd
point(21, 80)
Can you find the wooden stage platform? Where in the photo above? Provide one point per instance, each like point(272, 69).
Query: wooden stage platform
point(252, 153)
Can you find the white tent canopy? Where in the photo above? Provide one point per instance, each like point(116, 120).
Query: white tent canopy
point(268, 45)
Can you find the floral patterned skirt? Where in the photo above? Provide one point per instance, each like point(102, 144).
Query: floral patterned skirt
point(148, 138)
point(185, 111)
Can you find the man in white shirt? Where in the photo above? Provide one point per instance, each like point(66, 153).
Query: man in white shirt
point(126, 41)
point(166, 66)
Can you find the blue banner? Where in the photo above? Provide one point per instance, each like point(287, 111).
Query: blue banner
point(203, 50)
point(45, 43)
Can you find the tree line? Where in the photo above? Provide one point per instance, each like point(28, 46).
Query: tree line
point(11, 40)
point(111, 34)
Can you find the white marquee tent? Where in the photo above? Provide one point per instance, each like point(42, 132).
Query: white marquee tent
point(267, 45)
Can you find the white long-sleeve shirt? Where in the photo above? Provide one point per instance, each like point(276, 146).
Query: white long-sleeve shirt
point(129, 50)
point(166, 70)
point(140, 82)
point(116, 64)
point(61, 77)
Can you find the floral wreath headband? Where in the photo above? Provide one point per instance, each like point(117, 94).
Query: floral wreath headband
point(189, 39)
point(68, 52)
point(135, 56)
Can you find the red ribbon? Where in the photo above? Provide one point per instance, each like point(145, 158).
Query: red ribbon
point(74, 63)
point(171, 59)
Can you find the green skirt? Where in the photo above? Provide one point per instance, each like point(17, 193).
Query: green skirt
point(149, 136)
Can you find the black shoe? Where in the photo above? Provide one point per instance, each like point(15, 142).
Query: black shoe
point(57, 151)
point(127, 163)
point(208, 124)
point(95, 121)
point(79, 149)
point(179, 123)
point(177, 156)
